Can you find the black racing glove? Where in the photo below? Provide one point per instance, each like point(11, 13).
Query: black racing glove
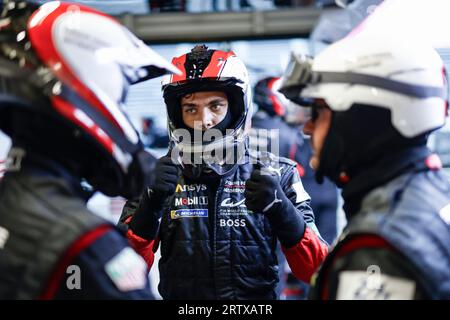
point(264, 194)
point(166, 178)
point(145, 220)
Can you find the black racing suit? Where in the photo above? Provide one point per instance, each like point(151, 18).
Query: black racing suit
point(52, 247)
point(397, 242)
point(213, 247)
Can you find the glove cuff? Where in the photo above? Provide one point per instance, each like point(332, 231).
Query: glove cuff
point(145, 221)
point(287, 223)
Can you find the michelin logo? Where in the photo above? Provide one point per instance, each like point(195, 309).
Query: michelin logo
point(189, 213)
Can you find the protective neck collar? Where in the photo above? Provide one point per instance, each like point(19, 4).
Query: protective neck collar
point(411, 159)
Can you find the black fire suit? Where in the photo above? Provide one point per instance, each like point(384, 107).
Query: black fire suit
point(213, 247)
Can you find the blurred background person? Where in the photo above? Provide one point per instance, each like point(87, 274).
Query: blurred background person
point(269, 131)
point(154, 137)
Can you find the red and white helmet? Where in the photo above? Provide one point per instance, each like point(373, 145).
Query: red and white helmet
point(74, 64)
point(267, 96)
point(209, 70)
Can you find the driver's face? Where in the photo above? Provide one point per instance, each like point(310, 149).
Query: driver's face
point(203, 110)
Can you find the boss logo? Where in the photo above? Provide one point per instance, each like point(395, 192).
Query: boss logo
point(232, 222)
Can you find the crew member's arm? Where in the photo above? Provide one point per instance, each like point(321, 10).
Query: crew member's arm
point(99, 265)
point(286, 204)
point(368, 268)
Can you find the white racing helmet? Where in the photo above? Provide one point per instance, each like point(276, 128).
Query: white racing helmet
point(384, 94)
point(407, 79)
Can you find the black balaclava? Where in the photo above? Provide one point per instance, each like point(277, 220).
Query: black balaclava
point(358, 138)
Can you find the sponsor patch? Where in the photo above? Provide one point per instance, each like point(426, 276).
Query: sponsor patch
point(189, 213)
point(127, 270)
point(359, 285)
point(235, 211)
point(234, 187)
point(190, 187)
point(232, 223)
point(14, 160)
point(228, 203)
point(301, 193)
point(2, 168)
point(230, 207)
point(190, 201)
point(4, 235)
point(445, 213)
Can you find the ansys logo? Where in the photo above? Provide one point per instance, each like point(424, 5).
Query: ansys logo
point(190, 187)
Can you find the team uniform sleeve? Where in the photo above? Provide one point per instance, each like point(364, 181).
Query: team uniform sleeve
point(145, 247)
point(102, 267)
point(307, 250)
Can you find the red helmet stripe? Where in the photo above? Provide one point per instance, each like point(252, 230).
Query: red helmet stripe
point(277, 105)
point(41, 39)
point(69, 112)
point(216, 64)
point(179, 63)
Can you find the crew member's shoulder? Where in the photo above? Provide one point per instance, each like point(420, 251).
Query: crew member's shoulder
point(427, 189)
point(272, 162)
point(269, 159)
